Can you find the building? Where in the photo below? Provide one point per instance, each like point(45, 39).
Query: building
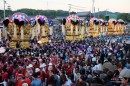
point(60, 17)
point(110, 16)
point(85, 15)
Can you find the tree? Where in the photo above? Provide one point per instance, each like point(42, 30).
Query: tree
point(72, 12)
point(100, 16)
point(124, 16)
point(32, 12)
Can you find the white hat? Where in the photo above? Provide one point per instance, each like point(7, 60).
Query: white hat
point(37, 70)
point(49, 40)
point(128, 42)
point(30, 65)
point(40, 42)
point(34, 60)
point(27, 67)
point(50, 68)
point(110, 48)
point(45, 54)
point(50, 63)
point(80, 52)
point(42, 65)
point(40, 60)
point(89, 76)
point(2, 50)
point(105, 60)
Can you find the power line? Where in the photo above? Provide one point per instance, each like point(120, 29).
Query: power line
point(76, 6)
point(93, 7)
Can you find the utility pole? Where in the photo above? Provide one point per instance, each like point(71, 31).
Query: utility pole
point(106, 11)
point(47, 5)
point(93, 7)
point(69, 8)
point(4, 8)
point(98, 12)
point(4, 30)
point(9, 8)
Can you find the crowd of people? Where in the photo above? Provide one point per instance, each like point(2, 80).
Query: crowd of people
point(102, 61)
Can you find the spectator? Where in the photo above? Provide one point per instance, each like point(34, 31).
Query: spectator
point(36, 81)
point(23, 82)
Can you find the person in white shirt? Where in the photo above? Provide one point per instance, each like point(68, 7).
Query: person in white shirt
point(99, 66)
point(94, 59)
point(89, 49)
point(68, 82)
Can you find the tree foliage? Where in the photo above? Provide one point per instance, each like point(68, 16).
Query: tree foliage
point(100, 16)
point(32, 12)
point(124, 16)
point(55, 13)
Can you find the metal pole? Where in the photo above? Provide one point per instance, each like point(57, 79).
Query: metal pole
point(69, 8)
point(3, 25)
point(106, 11)
point(4, 9)
point(98, 12)
point(93, 8)
point(47, 5)
point(94, 11)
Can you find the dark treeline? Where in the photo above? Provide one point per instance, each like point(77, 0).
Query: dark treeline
point(32, 12)
point(56, 13)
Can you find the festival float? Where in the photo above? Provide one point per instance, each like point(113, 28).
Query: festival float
point(121, 26)
point(72, 22)
point(41, 28)
point(94, 27)
point(116, 27)
point(41, 24)
point(112, 27)
point(19, 21)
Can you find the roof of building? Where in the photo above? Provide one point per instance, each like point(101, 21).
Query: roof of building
point(60, 17)
point(83, 14)
point(112, 16)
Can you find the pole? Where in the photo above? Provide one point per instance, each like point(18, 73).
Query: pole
point(4, 9)
point(47, 5)
point(0, 34)
point(94, 11)
point(98, 12)
point(69, 8)
point(93, 8)
point(106, 11)
point(4, 30)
